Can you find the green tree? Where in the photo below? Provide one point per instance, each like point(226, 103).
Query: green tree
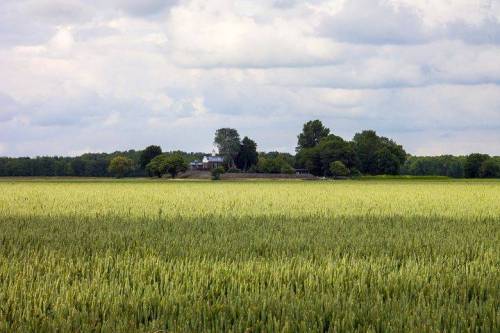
point(387, 162)
point(175, 164)
point(148, 154)
point(120, 166)
point(489, 169)
point(78, 166)
point(172, 164)
point(378, 155)
point(445, 165)
point(157, 166)
point(216, 173)
point(277, 164)
point(227, 141)
point(366, 144)
point(338, 169)
point(473, 164)
point(334, 148)
point(331, 148)
point(247, 156)
point(455, 168)
point(287, 169)
point(312, 132)
point(310, 159)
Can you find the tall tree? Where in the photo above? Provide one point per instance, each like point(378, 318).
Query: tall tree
point(473, 164)
point(490, 169)
point(157, 166)
point(148, 154)
point(378, 155)
point(334, 148)
point(175, 164)
point(366, 144)
point(310, 159)
point(248, 156)
point(162, 164)
point(227, 141)
point(312, 132)
point(387, 162)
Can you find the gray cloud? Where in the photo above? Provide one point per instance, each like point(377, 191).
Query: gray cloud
point(144, 7)
point(99, 76)
point(375, 22)
point(382, 22)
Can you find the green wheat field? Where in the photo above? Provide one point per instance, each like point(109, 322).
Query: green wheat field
point(250, 256)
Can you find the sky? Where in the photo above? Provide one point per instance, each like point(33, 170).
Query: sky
point(82, 76)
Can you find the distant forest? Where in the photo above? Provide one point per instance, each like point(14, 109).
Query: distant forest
point(318, 151)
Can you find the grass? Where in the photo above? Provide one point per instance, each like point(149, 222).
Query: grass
point(184, 256)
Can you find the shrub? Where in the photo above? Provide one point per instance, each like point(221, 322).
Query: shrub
point(273, 165)
point(355, 173)
point(217, 172)
point(287, 169)
point(338, 169)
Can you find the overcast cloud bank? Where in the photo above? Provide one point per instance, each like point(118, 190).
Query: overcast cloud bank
point(83, 76)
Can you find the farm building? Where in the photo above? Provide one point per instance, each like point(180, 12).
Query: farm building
point(208, 163)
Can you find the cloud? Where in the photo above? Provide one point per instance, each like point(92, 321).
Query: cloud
point(8, 108)
point(382, 22)
point(143, 7)
point(99, 76)
point(375, 22)
point(205, 36)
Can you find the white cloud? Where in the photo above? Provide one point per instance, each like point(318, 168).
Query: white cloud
point(87, 75)
point(220, 35)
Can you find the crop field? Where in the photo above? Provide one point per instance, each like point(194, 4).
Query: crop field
point(249, 256)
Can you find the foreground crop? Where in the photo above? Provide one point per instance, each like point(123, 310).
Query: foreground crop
point(265, 256)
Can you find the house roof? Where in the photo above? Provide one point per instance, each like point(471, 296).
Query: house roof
point(216, 159)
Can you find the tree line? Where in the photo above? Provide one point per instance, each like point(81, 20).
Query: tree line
point(318, 151)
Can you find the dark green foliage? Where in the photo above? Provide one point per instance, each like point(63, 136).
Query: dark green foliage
point(368, 154)
point(310, 159)
point(490, 169)
point(274, 163)
point(217, 172)
point(287, 169)
point(156, 168)
point(446, 165)
point(148, 154)
point(334, 148)
point(227, 141)
point(378, 155)
point(312, 133)
point(473, 164)
point(338, 169)
point(78, 167)
point(288, 158)
point(175, 164)
point(319, 158)
point(387, 162)
point(247, 156)
point(354, 172)
point(172, 164)
point(87, 165)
